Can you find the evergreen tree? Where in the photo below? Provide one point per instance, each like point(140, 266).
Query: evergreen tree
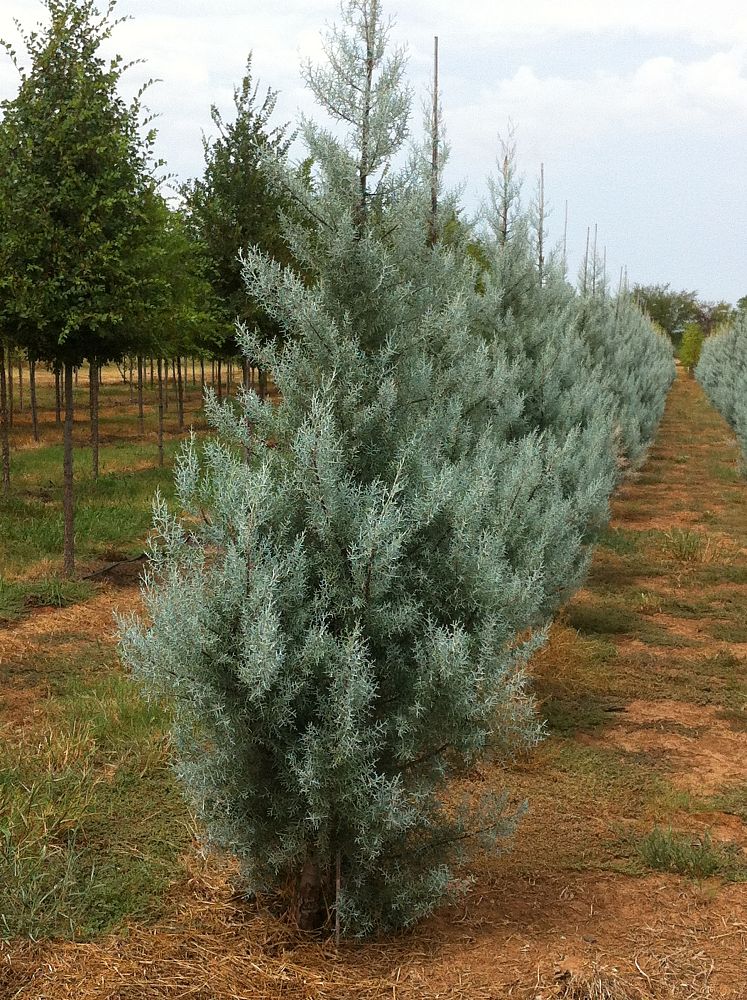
point(73, 190)
point(722, 371)
point(341, 622)
point(234, 205)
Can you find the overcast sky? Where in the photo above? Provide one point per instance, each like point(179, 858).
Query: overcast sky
point(637, 109)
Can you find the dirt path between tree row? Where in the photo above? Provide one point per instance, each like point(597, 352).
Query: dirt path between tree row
point(644, 684)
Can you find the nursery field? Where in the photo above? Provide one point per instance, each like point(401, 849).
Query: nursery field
point(627, 879)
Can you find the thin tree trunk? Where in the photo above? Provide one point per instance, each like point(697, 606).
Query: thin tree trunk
point(132, 382)
point(220, 387)
point(4, 439)
point(151, 373)
point(68, 500)
point(57, 396)
point(32, 393)
point(140, 410)
point(262, 384)
point(160, 413)
point(202, 373)
point(11, 407)
point(93, 368)
point(194, 380)
point(20, 386)
point(435, 137)
point(179, 393)
point(245, 373)
point(212, 372)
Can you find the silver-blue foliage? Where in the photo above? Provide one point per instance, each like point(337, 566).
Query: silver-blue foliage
point(342, 608)
point(722, 371)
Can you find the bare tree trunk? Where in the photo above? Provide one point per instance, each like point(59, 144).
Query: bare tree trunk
point(160, 413)
point(67, 465)
point(220, 386)
point(194, 380)
point(20, 385)
point(93, 379)
point(262, 384)
point(179, 393)
point(435, 137)
point(212, 371)
point(308, 905)
point(32, 394)
point(202, 373)
point(57, 396)
point(4, 438)
point(132, 381)
point(151, 373)
point(245, 373)
point(541, 227)
point(140, 410)
point(11, 407)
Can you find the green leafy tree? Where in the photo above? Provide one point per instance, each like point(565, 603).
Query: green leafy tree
point(712, 315)
point(692, 343)
point(235, 205)
point(73, 188)
point(671, 310)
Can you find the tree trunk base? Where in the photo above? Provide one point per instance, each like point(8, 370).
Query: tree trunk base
point(309, 907)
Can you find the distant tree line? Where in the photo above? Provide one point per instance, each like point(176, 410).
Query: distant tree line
point(674, 311)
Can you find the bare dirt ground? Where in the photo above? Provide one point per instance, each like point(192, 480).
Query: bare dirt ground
point(643, 683)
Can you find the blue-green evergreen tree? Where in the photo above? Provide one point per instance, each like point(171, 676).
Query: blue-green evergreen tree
point(722, 371)
point(342, 610)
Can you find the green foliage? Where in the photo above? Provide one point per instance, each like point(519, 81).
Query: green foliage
point(235, 205)
point(73, 189)
point(670, 310)
point(692, 343)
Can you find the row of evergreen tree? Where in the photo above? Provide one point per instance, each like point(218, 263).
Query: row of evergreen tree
point(722, 371)
point(342, 607)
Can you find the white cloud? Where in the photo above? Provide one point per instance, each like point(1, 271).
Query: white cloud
point(662, 94)
point(487, 21)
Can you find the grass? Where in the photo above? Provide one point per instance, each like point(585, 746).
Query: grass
point(620, 616)
point(50, 592)
point(696, 857)
point(732, 632)
point(113, 513)
point(92, 825)
point(620, 540)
